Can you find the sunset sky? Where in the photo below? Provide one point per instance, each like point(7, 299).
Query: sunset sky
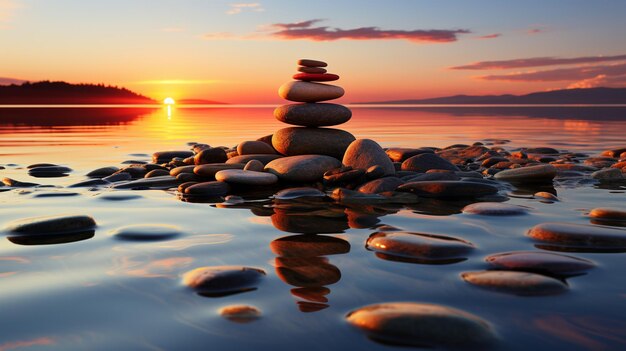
point(241, 52)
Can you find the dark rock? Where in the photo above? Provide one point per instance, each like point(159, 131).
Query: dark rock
point(313, 115)
point(294, 141)
point(381, 185)
point(448, 189)
point(425, 162)
point(304, 168)
point(166, 156)
point(210, 155)
point(513, 282)
point(223, 280)
point(102, 172)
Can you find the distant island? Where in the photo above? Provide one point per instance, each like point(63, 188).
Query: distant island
point(562, 97)
point(55, 93)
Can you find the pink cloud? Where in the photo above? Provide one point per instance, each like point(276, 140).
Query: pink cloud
point(305, 31)
point(537, 62)
point(490, 36)
point(561, 74)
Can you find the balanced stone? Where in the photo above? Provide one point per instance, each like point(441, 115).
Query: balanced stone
point(316, 77)
point(365, 153)
point(309, 92)
point(239, 176)
point(580, 235)
point(294, 141)
point(304, 168)
point(243, 159)
point(494, 209)
point(513, 282)
point(426, 161)
point(422, 325)
point(210, 155)
point(311, 63)
point(254, 148)
point(209, 170)
point(305, 69)
point(208, 189)
point(539, 261)
point(51, 225)
point(223, 280)
point(313, 114)
point(418, 245)
point(167, 156)
point(530, 174)
point(448, 189)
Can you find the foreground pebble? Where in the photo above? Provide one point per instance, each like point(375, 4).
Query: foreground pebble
point(530, 174)
point(238, 176)
point(422, 325)
point(517, 283)
point(142, 232)
point(418, 246)
point(240, 313)
point(494, 209)
point(539, 261)
point(51, 225)
point(220, 281)
point(304, 168)
point(608, 214)
point(592, 237)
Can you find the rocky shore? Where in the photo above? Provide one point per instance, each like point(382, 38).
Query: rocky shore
point(308, 170)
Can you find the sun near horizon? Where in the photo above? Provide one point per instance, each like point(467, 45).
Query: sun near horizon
point(169, 101)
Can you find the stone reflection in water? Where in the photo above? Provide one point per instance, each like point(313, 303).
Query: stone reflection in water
point(310, 222)
point(301, 264)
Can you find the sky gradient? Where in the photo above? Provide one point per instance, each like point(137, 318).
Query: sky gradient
point(241, 52)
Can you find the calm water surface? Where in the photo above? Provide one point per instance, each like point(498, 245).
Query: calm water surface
point(104, 293)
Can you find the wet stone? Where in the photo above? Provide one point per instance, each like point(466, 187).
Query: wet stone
point(589, 237)
point(540, 262)
point(423, 177)
point(530, 174)
point(208, 189)
point(118, 177)
point(166, 156)
point(517, 283)
point(546, 195)
point(304, 168)
point(425, 162)
point(422, 325)
point(37, 165)
point(244, 159)
point(157, 173)
point(209, 170)
point(448, 189)
point(381, 185)
point(610, 174)
point(220, 281)
point(254, 165)
point(102, 172)
point(298, 193)
point(210, 155)
point(343, 175)
point(366, 153)
point(239, 176)
point(294, 141)
point(150, 232)
point(400, 154)
point(90, 183)
point(17, 184)
point(254, 148)
point(51, 225)
point(240, 313)
point(377, 171)
point(419, 247)
point(614, 152)
point(306, 272)
point(608, 214)
point(495, 209)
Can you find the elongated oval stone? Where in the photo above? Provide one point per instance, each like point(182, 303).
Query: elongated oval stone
point(518, 283)
point(539, 261)
point(313, 114)
point(422, 325)
point(316, 77)
point(223, 280)
point(530, 174)
point(309, 92)
point(304, 168)
point(448, 189)
point(418, 245)
point(311, 63)
point(51, 225)
point(294, 141)
point(580, 235)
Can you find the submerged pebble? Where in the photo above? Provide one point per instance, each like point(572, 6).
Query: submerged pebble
point(513, 282)
point(422, 325)
point(539, 261)
point(142, 232)
point(494, 209)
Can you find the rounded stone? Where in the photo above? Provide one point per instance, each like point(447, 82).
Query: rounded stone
point(298, 91)
point(167, 156)
point(513, 282)
point(182, 169)
point(240, 313)
point(309, 246)
point(608, 214)
point(298, 193)
point(51, 225)
point(315, 77)
point(263, 158)
point(381, 185)
point(610, 174)
point(494, 209)
point(401, 154)
point(546, 195)
point(425, 162)
point(157, 173)
point(529, 174)
point(422, 325)
point(365, 153)
point(161, 182)
point(210, 169)
point(208, 189)
point(254, 148)
point(303, 168)
point(210, 155)
point(305, 69)
point(313, 114)
point(223, 280)
point(540, 262)
point(448, 189)
point(49, 171)
point(254, 165)
point(311, 63)
point(239, 176)
point(102, 172)
point(580, 235)
point(418, 246)
point(149, 232)
point(293, 141)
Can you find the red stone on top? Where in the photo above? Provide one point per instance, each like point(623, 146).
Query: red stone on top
point(315, 77)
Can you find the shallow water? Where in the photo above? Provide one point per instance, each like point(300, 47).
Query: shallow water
point(103, 293)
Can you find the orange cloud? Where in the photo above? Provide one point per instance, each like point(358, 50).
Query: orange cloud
point(537, 62)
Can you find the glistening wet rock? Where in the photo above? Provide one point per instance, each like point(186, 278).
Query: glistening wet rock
point(418, 246)
point(220, 281)
point(294, 141)
point(592, 237)
point(495, 209)
point(102, 172)
point(145, 232)
point(422, 325)
point(365, 153)
point(540, 262)
point(304, 168)
point(529, 174)
point(517, 283)
point(448, 189)
point(426, 161)
point(240, 313)
point(309, 246)
point(51, 225)
point(166, 156)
